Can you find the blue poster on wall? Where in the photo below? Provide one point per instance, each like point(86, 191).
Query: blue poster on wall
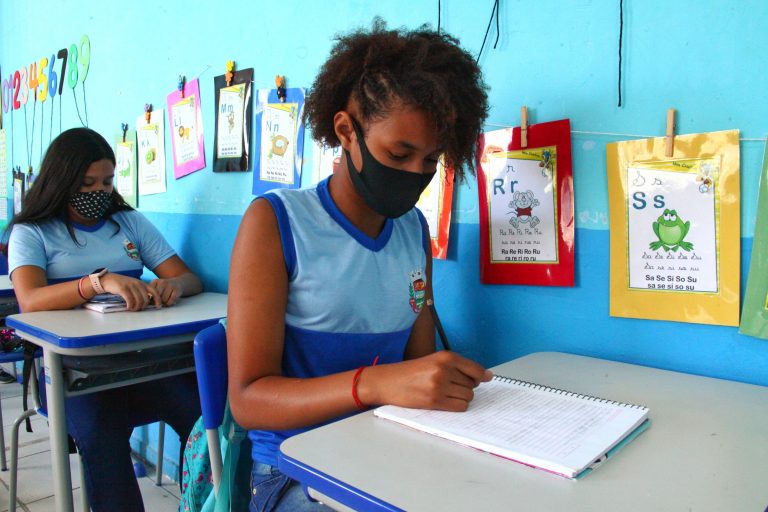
point(280, 138)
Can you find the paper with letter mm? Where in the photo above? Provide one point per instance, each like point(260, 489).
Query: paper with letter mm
point(526, 206)
point(675, 245)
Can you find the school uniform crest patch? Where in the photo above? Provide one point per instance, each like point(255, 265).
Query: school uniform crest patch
point(130, 249)
point(417, 290)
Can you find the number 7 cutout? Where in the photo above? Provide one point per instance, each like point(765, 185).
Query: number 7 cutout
point(526, 206)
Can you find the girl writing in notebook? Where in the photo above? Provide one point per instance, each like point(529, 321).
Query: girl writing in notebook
point(326, 315)
point(74, 238)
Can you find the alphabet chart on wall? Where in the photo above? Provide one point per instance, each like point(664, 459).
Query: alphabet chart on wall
point(675, 245)
point(526, 206)
point(672, 211)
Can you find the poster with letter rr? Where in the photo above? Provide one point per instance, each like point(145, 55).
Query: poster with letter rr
point(526, 206)
point(674, 221)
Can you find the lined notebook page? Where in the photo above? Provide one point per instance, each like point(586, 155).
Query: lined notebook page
point(552, 429)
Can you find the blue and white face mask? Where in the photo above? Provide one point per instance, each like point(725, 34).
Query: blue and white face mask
point(92, 205)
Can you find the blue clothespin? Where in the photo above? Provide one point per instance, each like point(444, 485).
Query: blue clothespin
point(124, 128)
point(182, 83)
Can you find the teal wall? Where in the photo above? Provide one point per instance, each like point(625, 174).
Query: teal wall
point(558, 57)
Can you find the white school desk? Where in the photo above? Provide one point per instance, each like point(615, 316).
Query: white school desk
point(82, 332)
point(706, 449)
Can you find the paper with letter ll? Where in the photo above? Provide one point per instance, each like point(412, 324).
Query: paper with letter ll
point(554, 430)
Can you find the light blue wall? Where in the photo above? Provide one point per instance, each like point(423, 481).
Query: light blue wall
point(558, 57)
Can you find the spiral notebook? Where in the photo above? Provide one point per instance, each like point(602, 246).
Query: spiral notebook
point(559, 431)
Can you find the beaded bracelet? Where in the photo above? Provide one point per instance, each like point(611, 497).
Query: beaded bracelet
point(359, 404)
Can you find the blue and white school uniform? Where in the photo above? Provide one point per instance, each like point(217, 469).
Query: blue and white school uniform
point(351, 298)
point(101, 423)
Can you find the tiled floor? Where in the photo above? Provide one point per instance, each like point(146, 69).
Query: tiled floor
point(35, 485)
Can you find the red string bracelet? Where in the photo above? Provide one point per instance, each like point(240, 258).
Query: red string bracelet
point(360, 405)
point(79, 288)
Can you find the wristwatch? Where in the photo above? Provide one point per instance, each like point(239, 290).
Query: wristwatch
point(96, 281)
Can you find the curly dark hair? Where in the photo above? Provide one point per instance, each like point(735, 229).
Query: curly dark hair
point(381, 67)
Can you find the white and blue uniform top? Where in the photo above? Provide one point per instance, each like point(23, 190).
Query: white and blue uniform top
point(351, 298)
point(48, 245)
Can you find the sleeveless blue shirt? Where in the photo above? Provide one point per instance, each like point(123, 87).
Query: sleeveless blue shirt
point(351, 298)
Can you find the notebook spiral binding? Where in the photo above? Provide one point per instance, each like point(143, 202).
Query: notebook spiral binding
point(548, 389)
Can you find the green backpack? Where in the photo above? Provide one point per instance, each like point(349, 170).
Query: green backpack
point(197, 481)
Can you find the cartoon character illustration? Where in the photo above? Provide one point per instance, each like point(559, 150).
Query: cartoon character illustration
point(417, 289)
point(125, 167)
point(231, 121)
point(546, 163)
point(671, 231)
point(522, 209)
point(184, 133)
point(705, 177)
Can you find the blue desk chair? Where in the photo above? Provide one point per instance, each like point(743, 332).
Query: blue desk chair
point(210, 350)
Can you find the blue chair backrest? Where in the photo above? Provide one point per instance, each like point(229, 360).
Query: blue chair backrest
point(210, 349)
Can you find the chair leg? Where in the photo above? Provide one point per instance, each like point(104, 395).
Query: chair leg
point(160, 453)
point(83, 488)
point(3, 463)
point(15, 457)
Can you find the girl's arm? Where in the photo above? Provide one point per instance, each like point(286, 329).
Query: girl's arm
point(175, 280)
point(262, 398)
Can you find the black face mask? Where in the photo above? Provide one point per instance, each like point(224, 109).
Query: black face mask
point(92, 205)
point(387, 191)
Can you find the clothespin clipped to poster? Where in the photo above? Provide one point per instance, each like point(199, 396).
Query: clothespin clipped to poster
point(230, 74)
point(523, 127)
point(182, 84)
point(148, 112)
point(670, 137)
point(280, 84)
point(124, 129)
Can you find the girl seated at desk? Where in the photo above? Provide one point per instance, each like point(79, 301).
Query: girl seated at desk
point(323, 320)
point(74, 238)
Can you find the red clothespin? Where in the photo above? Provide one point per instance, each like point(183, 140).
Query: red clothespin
point(280, 84)
point(230, 74)
point(148, 112)
point(182, 84)
point(124, 129)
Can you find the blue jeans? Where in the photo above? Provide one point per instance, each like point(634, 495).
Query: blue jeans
point(272, 491)
point(101, 424)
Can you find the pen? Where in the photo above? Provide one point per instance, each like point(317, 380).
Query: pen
point(438, 325)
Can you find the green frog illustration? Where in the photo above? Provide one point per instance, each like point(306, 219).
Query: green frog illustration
point(671, 231)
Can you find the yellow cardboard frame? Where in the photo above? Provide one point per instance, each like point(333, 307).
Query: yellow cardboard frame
point(721, 308)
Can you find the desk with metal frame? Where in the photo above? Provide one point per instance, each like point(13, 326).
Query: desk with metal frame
point(707, 449)
point(81, 332)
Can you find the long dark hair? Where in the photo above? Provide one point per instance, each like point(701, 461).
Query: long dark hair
point(61, 176)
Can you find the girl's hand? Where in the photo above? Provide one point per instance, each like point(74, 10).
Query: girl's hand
point(136, 293)
point(443, 380)
point(169, 290)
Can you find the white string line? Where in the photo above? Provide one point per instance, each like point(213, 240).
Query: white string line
point(582, 132)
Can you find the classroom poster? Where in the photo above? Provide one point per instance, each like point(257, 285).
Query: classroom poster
point(435, 203)
point(324, 160)
point(126, 171)
point(186, 123)
point(150, 137)
point(674, 222)
point(280, 132)
point(3, 181)
point(754, 314)
point(526, 206)
point(234, 108)
point(18, 189)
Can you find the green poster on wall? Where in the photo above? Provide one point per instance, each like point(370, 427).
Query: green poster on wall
point(754, 316)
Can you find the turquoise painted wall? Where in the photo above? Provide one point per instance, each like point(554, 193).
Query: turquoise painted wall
point(557, 57)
